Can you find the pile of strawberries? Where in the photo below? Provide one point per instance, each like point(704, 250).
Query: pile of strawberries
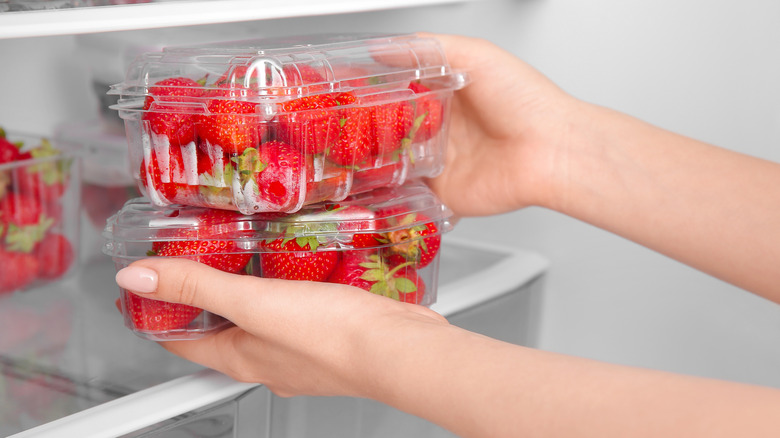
point(33, 246)
point(380, 247)
point(215, 144)
point(298, 162)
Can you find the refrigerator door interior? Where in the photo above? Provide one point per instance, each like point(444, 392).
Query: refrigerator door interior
point(96, 379)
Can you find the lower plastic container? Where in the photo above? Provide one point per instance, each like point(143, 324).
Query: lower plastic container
point(39, 204)
point(385, 241)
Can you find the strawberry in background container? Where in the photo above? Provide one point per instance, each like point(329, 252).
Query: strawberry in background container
point(38, 212)
point(273, 125)
point(385, 241)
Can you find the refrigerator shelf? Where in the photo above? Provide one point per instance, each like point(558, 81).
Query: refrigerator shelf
point(172, 13)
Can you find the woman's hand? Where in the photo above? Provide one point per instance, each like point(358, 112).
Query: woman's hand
point(295, 337)
point(506, 127)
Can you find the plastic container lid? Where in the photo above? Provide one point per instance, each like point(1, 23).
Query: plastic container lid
point(279, 69)
point(334, 225)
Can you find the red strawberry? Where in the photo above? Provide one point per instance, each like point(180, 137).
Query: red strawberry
point(310, 123)
point(23, 222)
point(369, 178)
point(418, 243)
point(367, 270)
point(154, 315)
point(297, 258)
point(231, 121)
point(168, 178)
point(55, 254)
point(46, 179)
point(273, 174)
point(211, 242)
point(17, 270)
point(355, 133)
point(391, 122)
point(428, 114)
point(164, 116)
point(9, 151)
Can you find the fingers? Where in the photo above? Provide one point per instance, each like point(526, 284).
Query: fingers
point(188, 282)
point(221, 351)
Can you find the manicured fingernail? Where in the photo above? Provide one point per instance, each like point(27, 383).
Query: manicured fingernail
point(137, 279)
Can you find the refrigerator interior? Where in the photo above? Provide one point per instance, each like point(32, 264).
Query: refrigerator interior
point(606, 298)
point(95, 371)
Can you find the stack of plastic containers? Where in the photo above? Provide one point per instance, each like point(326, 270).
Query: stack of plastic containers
point(296, 158)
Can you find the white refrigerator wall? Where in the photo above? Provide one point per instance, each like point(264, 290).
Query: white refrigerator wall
point(707, 69)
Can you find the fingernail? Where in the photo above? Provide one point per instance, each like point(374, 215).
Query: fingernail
point(137, 279)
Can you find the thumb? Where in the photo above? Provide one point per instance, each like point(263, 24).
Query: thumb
point(187, 282)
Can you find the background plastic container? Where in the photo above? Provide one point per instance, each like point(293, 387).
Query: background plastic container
point(273, 125)
point(385, 241)
point(39, 207)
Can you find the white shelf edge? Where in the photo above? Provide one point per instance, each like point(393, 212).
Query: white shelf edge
point(52, 22)
point(517, 269)
point(143, 408)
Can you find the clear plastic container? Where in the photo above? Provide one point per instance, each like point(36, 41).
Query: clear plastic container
point(273, 125)
point(385, 241)
point(39, 207)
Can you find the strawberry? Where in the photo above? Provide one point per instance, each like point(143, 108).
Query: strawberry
point(55, 254)
point(367, 270)
point(355, 133)
point(428, 115)
point(46, 179)
point(211, 242)
point(17, 270)
point(157, 316)
point(419, 243)
point(297, 258)
point(273, 174)
point(169, 180)
point(231, 122)
point(23, 222)
point(391, 123)
point(369, 178)
point(310, 123)
point(9, 151)
point(163, 115)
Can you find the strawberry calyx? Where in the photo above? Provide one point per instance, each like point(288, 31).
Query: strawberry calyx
point(384, 282)
point(306, 234)
point(50, 172)
point(248, 164)
point(25, 238)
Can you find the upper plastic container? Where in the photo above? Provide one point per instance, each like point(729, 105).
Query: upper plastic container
point(385, 241)
point(273, 125)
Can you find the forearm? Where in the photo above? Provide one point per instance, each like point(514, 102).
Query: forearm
point(705, 206)
point(479, 387)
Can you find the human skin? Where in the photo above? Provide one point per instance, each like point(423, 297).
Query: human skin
point(516, 140)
